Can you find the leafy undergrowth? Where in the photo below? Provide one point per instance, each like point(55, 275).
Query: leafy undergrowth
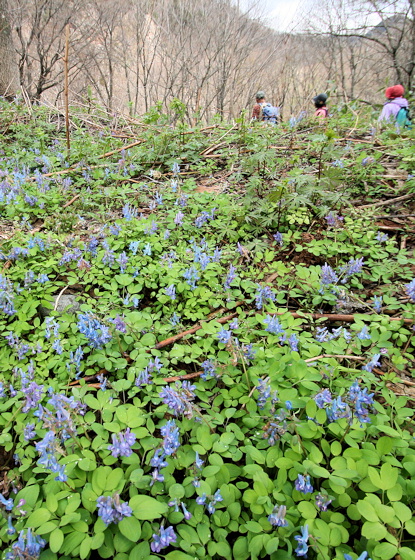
point(225, 380)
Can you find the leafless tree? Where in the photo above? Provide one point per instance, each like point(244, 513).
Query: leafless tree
point(9, 72)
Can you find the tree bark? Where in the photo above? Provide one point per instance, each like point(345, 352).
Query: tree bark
point(9, 70)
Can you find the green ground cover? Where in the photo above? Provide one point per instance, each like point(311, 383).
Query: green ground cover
point(235, 380)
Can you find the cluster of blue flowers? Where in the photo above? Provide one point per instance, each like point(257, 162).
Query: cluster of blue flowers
point(179, 400)
point(209, 370)
point(211, 506)
point(27, 546)
point(176, 503)
point(357, 401)
point(48, 447)
point(302, 540)
point(163, 538)
point(324, 335)
point(170, 444)
point(205, 217)
point(191, 275)
point(97, 333)
point(231, 276)
point(409, 290)
point(7, 296)
point(121, 444)
point(277, 517)
point(265, 393)
point(263, 295)
point(111, 510)
point(333, 220)
point(303, 484)
point(129, 212)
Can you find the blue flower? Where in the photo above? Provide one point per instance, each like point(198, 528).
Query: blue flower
point(122, 261)
point(224, 336)
point(303, 484)
point(26, 546)
point(179, 401)
point(273, 325)
point(111, 510)
point(377, 303)
point(198, 461)
point(8, 504)
point(230, 277)
point(10, 529)
point(279, 238)
point(277, 517)
point(170, 433)
point(164, 538)
point(373, 363)
point(175, 319)
point(324, 397)
point(323, 502)
point(201, 500)
point(147, 250)
point(29, 432)
point(208, 369)
point(262, 295)
point(410, 290)
point(178, 219)
point(328, 275)
point(97, 333)
point(302, 540)
point(171, 291)
point(121, 444)
point(129, 212)
point(338, 409)
point(364, 334)
point(293, 342)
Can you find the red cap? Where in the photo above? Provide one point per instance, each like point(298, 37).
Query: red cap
point(394, 91)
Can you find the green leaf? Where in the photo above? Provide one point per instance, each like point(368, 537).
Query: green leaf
point(307, 510)
point(367, 510)
point(85, 548)
point(406, 553)
point(147, 508)
point(402, 511)
point(38, 518)
point(178, 555)
point(130, 528)
point(375, 531)
point(254, 453)
point(385, 550)
point(56, 540)
point(46, 528)
point(176, 491)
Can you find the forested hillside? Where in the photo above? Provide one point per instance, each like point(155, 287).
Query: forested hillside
point(206, 337)
point(213, 56)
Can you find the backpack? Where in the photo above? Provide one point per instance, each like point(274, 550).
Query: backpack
point(270, 113)
point(403, 118)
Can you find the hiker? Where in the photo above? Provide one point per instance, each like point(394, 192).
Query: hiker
point(257, 108)
point(320, 105)
point(396, 107)
point(263, 111)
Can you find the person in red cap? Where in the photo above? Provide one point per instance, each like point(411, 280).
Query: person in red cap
point(395, 102)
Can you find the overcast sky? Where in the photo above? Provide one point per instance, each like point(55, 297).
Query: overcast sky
point(285, 15)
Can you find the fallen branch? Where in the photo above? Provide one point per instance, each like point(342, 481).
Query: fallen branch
point(179, 336)
point(180, 377)
point(387, 202)
point(70, 201)
point(121, 149)
point(339, 356)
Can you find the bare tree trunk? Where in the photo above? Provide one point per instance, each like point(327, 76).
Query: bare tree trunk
point(9, 70)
